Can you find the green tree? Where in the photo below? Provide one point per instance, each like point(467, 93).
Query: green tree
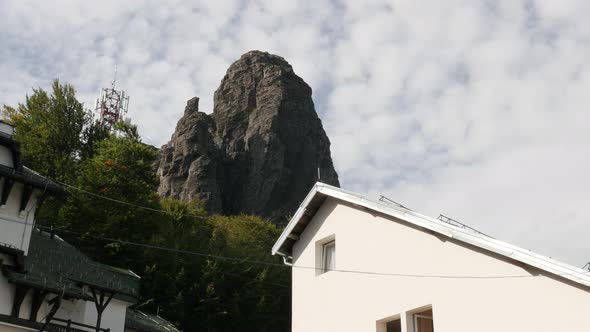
point(50, 129)
point(242, 295)
point(121, 169)
point(56, 136)
point(197, 292)
point(209, 293)
point(171, 282)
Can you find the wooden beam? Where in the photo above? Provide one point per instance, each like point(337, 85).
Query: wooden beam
point(100, 303)
point(25, 197)
point(6, 188)
point(38, 297)
point(19, 296)
point(55, 304)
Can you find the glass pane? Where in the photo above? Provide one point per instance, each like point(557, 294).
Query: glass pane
point(329, 256)
point(394, 326)
point(424, 324)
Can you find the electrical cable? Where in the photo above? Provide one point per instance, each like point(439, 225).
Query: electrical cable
point(143, 207)
point(263, 263)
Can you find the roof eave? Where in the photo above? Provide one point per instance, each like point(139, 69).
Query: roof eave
point(276, 249)
point(509, 251)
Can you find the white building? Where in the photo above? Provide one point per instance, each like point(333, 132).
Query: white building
point(363, 265)
point(45, 283)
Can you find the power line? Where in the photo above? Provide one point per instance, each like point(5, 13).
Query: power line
point(53, 230)
point(146, 207)
point(131, 204)
point(233, 259)
point(263, 263)
point(258, 262)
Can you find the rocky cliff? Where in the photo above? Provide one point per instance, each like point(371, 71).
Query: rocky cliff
point(258, 152)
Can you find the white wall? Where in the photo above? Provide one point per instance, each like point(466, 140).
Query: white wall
point(6, 295)
point(6, 156)
point(337, 301)
point(7, 292)
point(12, 221)
point(6, 128)
point(78, 311)
point(74, 309)
point(113, 316)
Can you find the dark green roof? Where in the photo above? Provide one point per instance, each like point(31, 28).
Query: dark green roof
point(143, 322)
point(54, 265)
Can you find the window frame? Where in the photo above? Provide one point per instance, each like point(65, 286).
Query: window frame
point(382, 323)
point(319, 254)
point(325, 246)
point(417, 314)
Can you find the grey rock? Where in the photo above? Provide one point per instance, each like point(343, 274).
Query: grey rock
point(260, 150)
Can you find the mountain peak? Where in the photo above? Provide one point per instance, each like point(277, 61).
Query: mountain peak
point(260, 150)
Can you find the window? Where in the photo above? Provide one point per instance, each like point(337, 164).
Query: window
point(390, 324)
point(328, 256)
point(393, 326)
point(423, 321)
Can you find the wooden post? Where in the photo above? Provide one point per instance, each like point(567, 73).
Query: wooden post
point(100, 304)
point(19, 296)
point(38, 297)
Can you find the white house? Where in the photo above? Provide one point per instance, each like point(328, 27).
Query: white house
point(47, 284)
point(363, 265)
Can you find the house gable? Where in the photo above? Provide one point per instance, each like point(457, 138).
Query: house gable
point(387, 267)
point(318, 195)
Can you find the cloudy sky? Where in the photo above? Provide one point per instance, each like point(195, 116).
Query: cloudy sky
point(474, 109)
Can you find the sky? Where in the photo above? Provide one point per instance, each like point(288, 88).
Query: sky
point(474, 109)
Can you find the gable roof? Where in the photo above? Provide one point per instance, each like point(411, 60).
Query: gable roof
point(320, 192)
point(55, 266)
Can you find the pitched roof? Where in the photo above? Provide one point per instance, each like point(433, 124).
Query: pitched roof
point(32, 178)
point(56, 266)
point(321, 191)
point(143, 322)
point(23, 174)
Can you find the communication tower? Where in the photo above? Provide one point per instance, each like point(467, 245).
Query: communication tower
point(112, 105)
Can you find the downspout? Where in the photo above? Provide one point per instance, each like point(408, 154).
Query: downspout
point(287, 260)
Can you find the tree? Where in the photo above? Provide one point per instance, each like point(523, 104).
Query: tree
point(50, 129)
point(197, 292)
point(210, 293)
point(120, 170)
point(243, 295)
point(171, 280)
point(56, 136)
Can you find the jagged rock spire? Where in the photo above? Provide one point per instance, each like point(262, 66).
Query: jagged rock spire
point(260, 150)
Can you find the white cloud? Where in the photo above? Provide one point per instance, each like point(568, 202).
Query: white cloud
point(472, 108)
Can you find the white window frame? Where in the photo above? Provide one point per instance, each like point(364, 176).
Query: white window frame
point(416, 313)
point(325, 246)
point(382, 323)
point(416, 316)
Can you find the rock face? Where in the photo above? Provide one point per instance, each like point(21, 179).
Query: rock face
point(260, 150)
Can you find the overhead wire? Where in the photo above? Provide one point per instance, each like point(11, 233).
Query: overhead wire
point(247, 260)
point(264, 263)
point(54, 230)
point(143, 207)
point(271, 264)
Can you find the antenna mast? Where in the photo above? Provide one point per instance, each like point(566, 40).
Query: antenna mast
point(112, 105)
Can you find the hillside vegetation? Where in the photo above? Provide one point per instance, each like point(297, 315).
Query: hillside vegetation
point(216, 273)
